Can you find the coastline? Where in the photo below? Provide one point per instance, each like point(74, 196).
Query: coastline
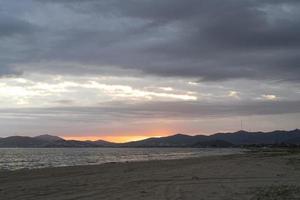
point(238, 176)
point(31, 158)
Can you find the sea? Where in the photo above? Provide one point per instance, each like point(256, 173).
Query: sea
point(30, 158)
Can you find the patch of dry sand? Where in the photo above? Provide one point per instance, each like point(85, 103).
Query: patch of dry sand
point(247, 176)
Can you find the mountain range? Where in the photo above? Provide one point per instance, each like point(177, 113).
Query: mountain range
point(239, 138)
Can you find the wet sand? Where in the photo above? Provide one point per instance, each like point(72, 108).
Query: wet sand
point(261, 175)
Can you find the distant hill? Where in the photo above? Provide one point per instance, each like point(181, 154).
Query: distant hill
point(49, 138)
point(245, 138)
point(239, 138)
point(47, 141)
point(236, 138)
point(18, 141)
point(104, 143)
point(295, 141)
point(178, 140)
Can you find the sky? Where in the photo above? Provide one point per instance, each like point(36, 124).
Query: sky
point(129, 69)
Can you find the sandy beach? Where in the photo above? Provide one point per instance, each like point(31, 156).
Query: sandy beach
point(261, 175)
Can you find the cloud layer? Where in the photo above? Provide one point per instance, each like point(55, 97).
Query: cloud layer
point(182, 63)
point(207, 40)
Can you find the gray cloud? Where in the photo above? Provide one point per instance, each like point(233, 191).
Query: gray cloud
point(208, 40)
point(154, 110)
point(10, 26)
point(14, 35)
point(122, 117)
point(152, 44)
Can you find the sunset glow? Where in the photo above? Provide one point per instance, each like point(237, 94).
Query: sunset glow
point(118, 138)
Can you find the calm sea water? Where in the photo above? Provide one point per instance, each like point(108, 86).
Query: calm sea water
point(19, 158)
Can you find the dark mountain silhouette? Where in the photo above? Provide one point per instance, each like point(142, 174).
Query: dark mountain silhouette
point(49, 138)
point(103, 143)
point(174, 140)
point(44, 141)
point(239, 138)
point(178, 140)
point(295, 141)
point(245, 138)
point(18, 141)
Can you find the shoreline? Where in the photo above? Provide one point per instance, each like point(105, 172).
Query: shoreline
point(236, 176)
point(116, 163)
point(35, 159)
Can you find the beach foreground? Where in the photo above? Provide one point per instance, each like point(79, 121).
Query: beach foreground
point(257, 175)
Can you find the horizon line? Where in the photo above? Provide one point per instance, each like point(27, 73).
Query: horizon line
point(140, 138)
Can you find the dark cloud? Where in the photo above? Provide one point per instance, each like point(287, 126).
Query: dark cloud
point(208, 40)
point(13, 35)
point(10, 26)
point(200, 110)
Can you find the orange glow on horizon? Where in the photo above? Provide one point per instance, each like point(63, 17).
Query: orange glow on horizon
point(116, 138)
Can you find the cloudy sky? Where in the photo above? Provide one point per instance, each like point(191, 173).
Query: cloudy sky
point(128, 69)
